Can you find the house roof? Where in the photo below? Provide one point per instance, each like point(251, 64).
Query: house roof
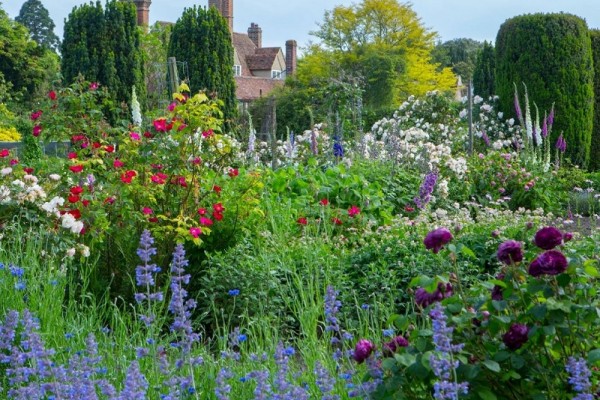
point(250, 88)
point(243, 47)
point(263, 58)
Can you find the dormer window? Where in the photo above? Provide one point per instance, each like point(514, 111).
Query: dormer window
point(237, 70)
point(275, 74)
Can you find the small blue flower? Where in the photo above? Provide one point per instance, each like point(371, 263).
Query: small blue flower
point(365, 306)
point(242, 338)
point(234, 292)
point(69, 335)
point(388, 332)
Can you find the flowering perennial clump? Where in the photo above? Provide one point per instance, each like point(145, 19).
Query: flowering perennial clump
point(442, 360)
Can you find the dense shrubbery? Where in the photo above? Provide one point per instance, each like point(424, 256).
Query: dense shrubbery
point(551, 53)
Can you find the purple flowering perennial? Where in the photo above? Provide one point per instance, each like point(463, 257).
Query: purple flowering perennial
point(579, 378)
point(144, 276)
point(136, 384)
point(426, 190)
point(442, 360)
point(223, 389)
point(561, 144)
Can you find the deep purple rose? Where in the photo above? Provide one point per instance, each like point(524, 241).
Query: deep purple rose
point(548, 238)
point(436, 239)
point(516, 336)
point(363, 350)
point(392, 346)
point(551, 262)
point(567, 237)
point(423, 298)
point(510, 252)
point(497, 290)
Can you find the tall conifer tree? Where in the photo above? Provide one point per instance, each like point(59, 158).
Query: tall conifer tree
point(202, 39)
point(103, 45)
point(35, 17)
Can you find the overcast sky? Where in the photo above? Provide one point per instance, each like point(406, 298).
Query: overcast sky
point(294, 19)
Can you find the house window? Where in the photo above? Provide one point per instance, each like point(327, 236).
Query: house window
point(237, 70)
point(275, 74)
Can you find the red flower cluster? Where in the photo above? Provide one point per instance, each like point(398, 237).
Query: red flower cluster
point(159, 178)
point(128, 175)
point(233, 172)
point(76, 168)
point(75, 194)
point(4, 153)
point(161, 125)
point(218, 211)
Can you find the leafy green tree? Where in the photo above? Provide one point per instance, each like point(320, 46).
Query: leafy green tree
point(595, 147)
point(552, 55)
point(35, 17)
point(103, 45)
point(485, 72)
point(458, 54)
point(201, 38)
point(380, 41)
point(20, 57)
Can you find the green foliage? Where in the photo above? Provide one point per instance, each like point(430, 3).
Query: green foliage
point(155, 44)
point(458, 54)
point(35, 17)
point(560, 313)
point(103, 45)
point(595, 146)
point(20, 63)
point(201, 38)
point(551, 54)
point(484, 75)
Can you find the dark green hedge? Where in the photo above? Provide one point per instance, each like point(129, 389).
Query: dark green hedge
point(551, 54)
point(595, 148)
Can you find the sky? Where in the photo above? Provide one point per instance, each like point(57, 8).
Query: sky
point(281, 20)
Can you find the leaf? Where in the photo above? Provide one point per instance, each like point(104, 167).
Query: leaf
point(467, 252)
point(492, 365)
point(486, 394)
point(405, 359)
point(593, 356)
point(590, 270)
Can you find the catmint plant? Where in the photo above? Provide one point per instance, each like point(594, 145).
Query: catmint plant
point(442, 360)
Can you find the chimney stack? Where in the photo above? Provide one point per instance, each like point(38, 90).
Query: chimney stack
point(255, 34)
point(290, 57)
point(143, 11)
point(225, 7)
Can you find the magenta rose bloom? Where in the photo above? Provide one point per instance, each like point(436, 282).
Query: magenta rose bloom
point(551, 262)
point(567, 237)
point(436, 239)
point(497, 290)
point(516, 336)
point(363, 350)
point(423, 298)
point(510, 252)
point(548, 238)
point(392, 346)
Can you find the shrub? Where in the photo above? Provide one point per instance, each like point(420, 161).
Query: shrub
point(595, 147)
point(551, 53)
point(9, 134)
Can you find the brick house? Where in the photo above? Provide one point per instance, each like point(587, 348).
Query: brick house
point(257, 70)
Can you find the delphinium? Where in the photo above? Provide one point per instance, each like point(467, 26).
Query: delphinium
point(442, 360)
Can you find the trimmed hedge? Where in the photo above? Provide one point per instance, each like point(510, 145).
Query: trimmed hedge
point(595, 148)
point(552, 55)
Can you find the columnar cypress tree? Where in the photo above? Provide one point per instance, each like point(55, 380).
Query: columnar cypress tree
point(595, 148)
point(485, 72)
point(551, 54)
point(104, 46)
point(201, 37)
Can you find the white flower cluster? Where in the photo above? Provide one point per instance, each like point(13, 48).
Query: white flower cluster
point(51, 207)
point(68, 221)
point(27, 190)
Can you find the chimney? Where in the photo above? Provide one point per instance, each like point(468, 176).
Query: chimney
point(143, 12)
point(290, 57)
point(255, 34)
point(225, 7)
